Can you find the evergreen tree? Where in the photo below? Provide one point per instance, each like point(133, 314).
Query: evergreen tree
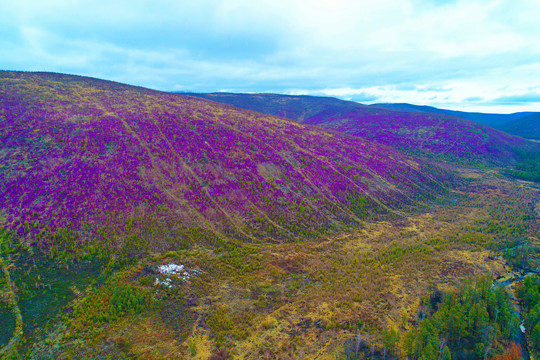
point(429, 353)
point(446, 354)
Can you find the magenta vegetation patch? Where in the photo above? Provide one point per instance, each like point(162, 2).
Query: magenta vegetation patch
point(85, 161)
point(451, 137)
point(427, 134)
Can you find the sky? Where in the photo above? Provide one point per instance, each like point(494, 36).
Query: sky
point(471, 55)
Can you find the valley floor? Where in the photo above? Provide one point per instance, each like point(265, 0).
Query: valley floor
point(308, 300)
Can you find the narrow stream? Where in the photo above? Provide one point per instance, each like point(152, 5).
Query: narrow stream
point(506, 282)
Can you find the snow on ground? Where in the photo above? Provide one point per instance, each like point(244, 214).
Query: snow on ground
point(166, 282)
point(176, 270)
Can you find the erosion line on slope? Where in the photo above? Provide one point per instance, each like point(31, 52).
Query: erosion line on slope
point(204, 187)
point(261, 211)
point(161, 178)
point(352, 182)
point(426, 139)
point(439, 124)
point(163, 184)
point(319, 191)
point(270, 220)
point(285, 159)
point(376, 176)
point(323, 160)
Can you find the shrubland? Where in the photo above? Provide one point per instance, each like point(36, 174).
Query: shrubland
point(91, 166)
point(374, 292)
point(129, 234)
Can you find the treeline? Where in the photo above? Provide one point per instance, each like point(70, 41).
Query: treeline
point(528, 292)
point(528, 167)
point(477, 321)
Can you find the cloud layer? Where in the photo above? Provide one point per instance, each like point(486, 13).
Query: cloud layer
point(470, 55)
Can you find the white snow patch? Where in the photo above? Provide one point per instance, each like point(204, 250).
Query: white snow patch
point(166, 282)
point(171, 269)
point(176, 270)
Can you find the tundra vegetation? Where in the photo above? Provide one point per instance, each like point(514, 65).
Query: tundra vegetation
point(140, 224)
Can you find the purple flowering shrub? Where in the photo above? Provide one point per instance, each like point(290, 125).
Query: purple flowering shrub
point(86, 161)
point(436, 134)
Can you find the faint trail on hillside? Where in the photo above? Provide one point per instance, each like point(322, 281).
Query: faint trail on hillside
point(375, 176)
point(163, 183)
point(204, 187)
point(267, 218)
point(153, 161)
point(308, 180)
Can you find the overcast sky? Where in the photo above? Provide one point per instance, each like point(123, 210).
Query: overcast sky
point(465, 55)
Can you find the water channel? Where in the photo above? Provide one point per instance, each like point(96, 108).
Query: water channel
point(507, 282)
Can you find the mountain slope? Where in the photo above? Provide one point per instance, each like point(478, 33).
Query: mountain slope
point(437, 135)
point(525, 124)
point(86, 161)
point(299, 108)
point(527, 127)
point(418, 132)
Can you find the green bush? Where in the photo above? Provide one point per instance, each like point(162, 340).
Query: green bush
point(128, 300)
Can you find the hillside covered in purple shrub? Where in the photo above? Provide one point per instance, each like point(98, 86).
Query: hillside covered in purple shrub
point(85, 161)
point(438, 135)
point(423, 133)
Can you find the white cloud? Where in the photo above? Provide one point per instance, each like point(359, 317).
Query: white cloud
point(371, 48)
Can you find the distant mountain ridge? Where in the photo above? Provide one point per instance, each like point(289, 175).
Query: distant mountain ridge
point(525, 124)
point(415, 131)
point(492, 120)
point(297, 107)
